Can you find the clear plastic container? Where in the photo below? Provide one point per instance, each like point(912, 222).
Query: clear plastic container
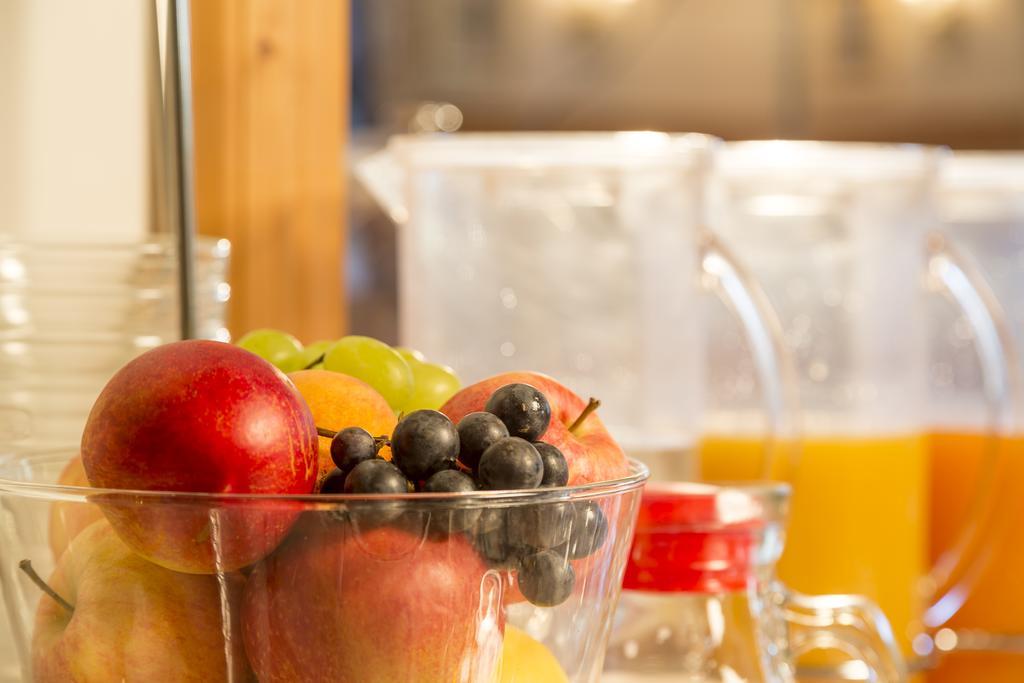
point(700, 602)
point(406, 588)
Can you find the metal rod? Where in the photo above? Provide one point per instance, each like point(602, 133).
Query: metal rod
point(159, 215)
point(178, 99)
point(792, 85)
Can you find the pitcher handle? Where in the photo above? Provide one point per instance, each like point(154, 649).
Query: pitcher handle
point(772, 359)
point(953, 574)
point(848, 623)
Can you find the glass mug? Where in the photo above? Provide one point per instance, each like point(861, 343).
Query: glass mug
point(981, 204)
point(700, 602)
point(577, 255)
point(403, 588)
point(837, 234)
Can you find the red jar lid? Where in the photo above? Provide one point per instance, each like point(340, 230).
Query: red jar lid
point(695, 538)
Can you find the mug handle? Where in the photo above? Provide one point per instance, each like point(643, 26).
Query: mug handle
point(774, 364)
point(950, 580)
point(849, 623)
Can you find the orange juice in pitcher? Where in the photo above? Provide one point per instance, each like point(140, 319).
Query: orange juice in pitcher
point(990, 624)
point(981, 204)
point(862, 500)
point(841, 238)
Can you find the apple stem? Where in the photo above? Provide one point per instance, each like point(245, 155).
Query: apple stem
point(592, 405)
point(26, 566)
point(323, 431)
point(319, 359)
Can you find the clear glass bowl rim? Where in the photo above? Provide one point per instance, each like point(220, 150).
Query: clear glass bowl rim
point(636, 478)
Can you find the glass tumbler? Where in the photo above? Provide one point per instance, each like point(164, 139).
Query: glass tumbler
point(701, 604)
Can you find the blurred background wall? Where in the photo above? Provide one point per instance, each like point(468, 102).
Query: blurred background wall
point(77, 152)
point(73, 131)
point(74, 159)
point(932, 71)
point(940, 71)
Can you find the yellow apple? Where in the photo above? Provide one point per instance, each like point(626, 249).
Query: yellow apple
point(525, 660)
point(68, 518)
point(135, 621)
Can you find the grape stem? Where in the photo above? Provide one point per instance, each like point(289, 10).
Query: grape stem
point(381, 440)
point(319, 359)
point(26, 566)
point(592, 405)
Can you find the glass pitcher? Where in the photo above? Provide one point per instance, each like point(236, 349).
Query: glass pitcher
point(838, 235)
point(576, 255)
point(700, 602)
point(981, 204)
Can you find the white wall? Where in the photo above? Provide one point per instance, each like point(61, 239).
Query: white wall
point(74, 136)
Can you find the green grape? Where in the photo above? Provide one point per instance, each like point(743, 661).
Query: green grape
point(432, 386)
point(290, 363)
point(375, 363)
point(280, 348)
point(411, 355)
point(309, 355)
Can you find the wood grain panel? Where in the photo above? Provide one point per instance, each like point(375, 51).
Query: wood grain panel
point(271, 89)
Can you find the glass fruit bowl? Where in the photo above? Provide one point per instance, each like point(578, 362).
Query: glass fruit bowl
point(484, 586)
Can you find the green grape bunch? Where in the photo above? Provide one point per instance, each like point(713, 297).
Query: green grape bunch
point(402, 376)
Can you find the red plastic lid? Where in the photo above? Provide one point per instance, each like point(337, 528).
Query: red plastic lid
point(695, 538)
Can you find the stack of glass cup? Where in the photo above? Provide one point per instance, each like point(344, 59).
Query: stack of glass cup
point(70, 316)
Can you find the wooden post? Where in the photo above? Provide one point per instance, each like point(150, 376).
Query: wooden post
point(270, 81)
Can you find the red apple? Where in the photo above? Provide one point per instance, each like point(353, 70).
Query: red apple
point(377, 606)
point(135, 621)
point(203, 417)
point(592, 454)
